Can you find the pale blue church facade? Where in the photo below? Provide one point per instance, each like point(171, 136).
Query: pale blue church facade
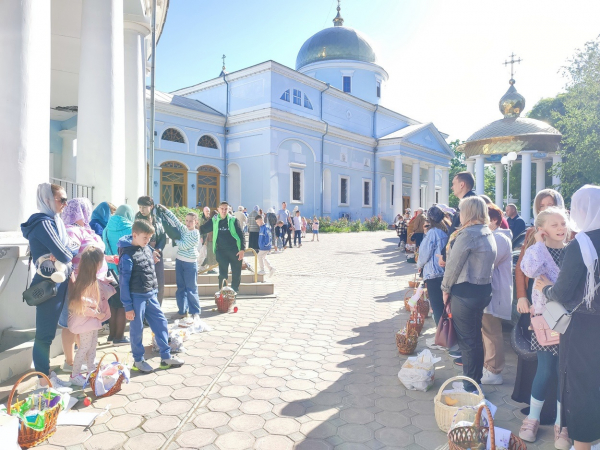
point(315, 137)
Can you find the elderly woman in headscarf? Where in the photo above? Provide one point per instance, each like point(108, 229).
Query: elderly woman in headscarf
point(253, 229)
point(77, 216)
point(118, 226)
point(577, 289)
point(100, 217)
point(47, 235)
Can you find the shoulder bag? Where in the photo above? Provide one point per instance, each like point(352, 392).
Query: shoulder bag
point(40, 292)
point(557, 317)
point(445, 335)
point(545, 335)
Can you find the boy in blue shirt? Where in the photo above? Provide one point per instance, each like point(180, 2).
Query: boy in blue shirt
point(139, 289)
point(264, 246)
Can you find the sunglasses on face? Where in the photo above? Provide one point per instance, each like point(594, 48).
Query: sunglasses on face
point(63, 200)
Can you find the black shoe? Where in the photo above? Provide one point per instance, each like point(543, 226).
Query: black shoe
point(458, 362)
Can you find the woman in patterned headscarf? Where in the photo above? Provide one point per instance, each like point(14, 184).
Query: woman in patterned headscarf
point(77, 216)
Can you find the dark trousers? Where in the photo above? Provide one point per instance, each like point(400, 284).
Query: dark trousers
point(418, 238)
point(466, 315)
point(287, 238)
point(298, 237)
point(434, 290)
point(225, 258)
point(46, 321)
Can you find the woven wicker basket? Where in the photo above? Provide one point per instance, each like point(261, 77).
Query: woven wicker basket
point(29, 437)
point(415, 322)
point(473, 437)
point(414, 283)
point(225, 298)
point(409, 293)
point(113, 390)
point(407, 341)
point(445, 414)
point(423, 306)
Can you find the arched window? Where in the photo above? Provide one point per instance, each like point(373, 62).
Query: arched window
point(208, 188)
point(173, 135)
point(173, 184)
point(285, 96)
point(207, 141)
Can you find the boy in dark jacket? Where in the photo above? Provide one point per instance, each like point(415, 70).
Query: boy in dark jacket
point(139, 288)
point(280, 236)
point(264, 246)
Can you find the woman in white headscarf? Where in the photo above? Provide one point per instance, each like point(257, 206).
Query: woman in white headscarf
point(47, 235)
point(577, 288)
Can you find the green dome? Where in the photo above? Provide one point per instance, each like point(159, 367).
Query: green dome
point(336, 42)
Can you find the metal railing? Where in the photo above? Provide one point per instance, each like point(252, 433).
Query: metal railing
point(75, 190)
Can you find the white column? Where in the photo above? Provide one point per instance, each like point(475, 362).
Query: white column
point(556, 159)
point(526, 186)
point(398, 171)
point(100, 125)
point(479, 175)
point(135, 128)
point(430, 186)
point(445, 186)
point(470, 165)
point(69, 155)
point(540, 175)
point(24, 106)
point(415, 189)
point(499, 184)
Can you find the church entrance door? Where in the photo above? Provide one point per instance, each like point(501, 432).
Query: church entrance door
point(208, 187)
point(173, 182)
point(405, 203)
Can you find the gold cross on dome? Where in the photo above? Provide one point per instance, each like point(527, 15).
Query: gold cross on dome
point(512, 62)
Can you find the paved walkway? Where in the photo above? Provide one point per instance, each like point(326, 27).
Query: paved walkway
point(315, 368)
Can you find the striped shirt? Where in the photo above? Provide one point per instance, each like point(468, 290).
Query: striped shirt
point(187, 246)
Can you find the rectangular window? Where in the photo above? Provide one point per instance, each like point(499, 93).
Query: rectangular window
point(344, 199)
point(379, 89)
point(392, 195)
point(297, 187)
point(347, 84)
point(437, 197)
point(366, 193)
point(297, 97)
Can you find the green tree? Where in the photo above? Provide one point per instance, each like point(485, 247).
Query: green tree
point(549, 110)
point(580, 123)
point(457, 164)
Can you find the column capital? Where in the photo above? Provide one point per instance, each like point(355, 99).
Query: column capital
point(140, 28)
point(476, 157)
point(68, 134)
point(531, 152)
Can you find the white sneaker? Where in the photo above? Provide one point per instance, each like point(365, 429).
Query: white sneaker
point(195, 316)
point(432, 345)
point(261, 272)
point(57, 384)
point(78, 380)
point(491, 378)
point(69, 368)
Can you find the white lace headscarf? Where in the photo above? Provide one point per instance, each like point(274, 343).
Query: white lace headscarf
point(46, 205)
point(585, 213)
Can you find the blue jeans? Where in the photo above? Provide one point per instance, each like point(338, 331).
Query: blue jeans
point(186, 274)
point(547, 366)
point(298, 236)
point(146, 306)
point(46, 320)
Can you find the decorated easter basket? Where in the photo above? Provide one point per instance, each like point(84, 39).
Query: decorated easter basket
point(93, 376)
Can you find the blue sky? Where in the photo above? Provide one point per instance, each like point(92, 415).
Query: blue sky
point(444, 57)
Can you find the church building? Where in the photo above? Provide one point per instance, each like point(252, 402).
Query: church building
point(315, 137)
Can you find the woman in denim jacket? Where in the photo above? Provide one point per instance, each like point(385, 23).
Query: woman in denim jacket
point(434, 241)
point(468, 282)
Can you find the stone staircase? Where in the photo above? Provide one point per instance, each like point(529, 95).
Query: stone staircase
point(208, 284)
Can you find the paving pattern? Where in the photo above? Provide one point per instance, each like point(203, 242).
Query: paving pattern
point(315, 368)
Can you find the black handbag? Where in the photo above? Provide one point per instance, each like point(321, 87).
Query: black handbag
point(170, 227)
point(520, 339)
point(38, 293)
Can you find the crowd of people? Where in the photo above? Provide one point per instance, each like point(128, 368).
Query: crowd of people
point(465, 259)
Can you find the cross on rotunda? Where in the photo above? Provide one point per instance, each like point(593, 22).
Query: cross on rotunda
point(512, 62)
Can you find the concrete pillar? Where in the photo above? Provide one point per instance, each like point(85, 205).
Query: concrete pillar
point(135, 130)
point(540, 175)
point(69, 155)
point(479, 175)
point(398, 171)
point(415, 189)
point(470, 165)
point(100, 124)
point(430, 186)
point(445, 186)
point(24, 106)
point(556, 159)
point(499, 184)
point(526, 186)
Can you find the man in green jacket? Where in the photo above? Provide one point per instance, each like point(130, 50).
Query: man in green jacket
point(228, 244)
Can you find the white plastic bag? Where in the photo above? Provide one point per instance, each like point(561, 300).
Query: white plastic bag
point(418, 372)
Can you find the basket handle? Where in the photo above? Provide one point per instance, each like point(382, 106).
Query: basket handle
point(14, 389)
point(490, 423)
point(224, 283)
point(97, 371)
point(457, 378)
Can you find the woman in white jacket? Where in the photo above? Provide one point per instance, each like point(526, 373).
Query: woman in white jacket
point(501, 305)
